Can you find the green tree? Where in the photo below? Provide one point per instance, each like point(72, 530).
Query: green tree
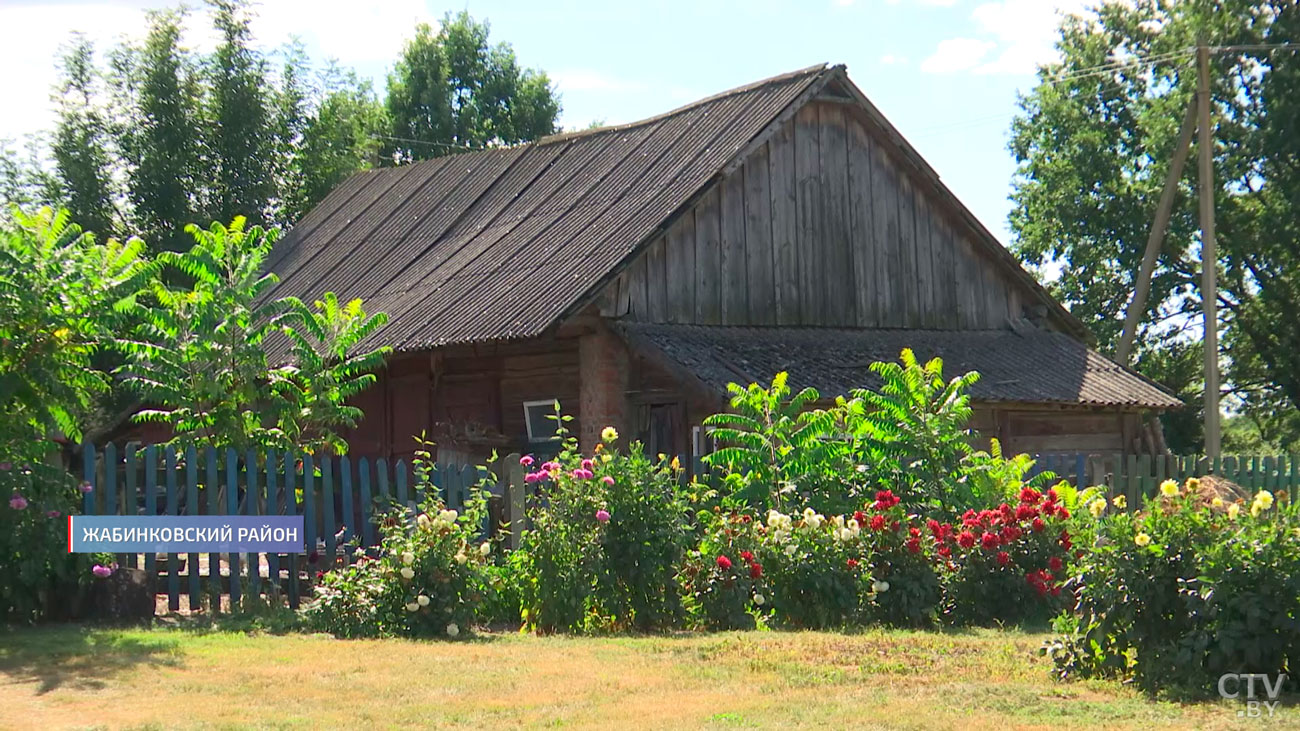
point(81, 140)
point(240, 108)
point(160, 131)
point(199, 357)
point(1093, 144)
point(451, 90)
point(63, 296)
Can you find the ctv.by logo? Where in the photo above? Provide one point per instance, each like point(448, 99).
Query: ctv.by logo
point(1231, 686)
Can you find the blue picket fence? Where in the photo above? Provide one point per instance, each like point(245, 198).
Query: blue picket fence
point(340, 499)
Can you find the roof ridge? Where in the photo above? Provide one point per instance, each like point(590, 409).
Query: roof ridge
point(779, 78)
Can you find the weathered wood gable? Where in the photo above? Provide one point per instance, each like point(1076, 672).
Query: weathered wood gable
point(824, 223)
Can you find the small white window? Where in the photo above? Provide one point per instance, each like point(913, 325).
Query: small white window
point(539, 417)
point(701, 440)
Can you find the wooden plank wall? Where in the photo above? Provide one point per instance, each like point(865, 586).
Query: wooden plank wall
point(821, 227)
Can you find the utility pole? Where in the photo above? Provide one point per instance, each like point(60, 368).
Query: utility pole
point(1209, 253)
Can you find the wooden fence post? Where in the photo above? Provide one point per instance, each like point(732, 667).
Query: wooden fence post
point(517, 499)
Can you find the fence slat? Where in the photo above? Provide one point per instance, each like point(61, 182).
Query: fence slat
point(349, 521)
point(232, 508)
point(173, 559)
point(212, 487)
point(309, 505)
point(1295, 477)
point(367, 509)
point(272, 508)
point(401, 483)
point(88, 472)
point(291, 508)
point(192, 508)
point(329, 524)
point(151, 505)
point(251, 508)
point(381, 483)
point(130, 488)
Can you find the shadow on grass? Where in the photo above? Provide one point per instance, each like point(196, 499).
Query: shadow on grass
point(76, 656)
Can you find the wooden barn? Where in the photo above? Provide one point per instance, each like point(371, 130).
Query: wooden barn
point(630, 272)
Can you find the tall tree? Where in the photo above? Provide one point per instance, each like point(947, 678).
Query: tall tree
point(1093, 145)
point(81, 141)
point(451, 91)
point(241, 109)
point(161, 131)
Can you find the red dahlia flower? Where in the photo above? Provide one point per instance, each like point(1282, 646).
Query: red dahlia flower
point(1055, 563)
point(989, 540)
point(965, 539)
point(913, 544)
point(747, 556)
point(724, 563)
point(1004, 558)
point(755, 570)
point(852, 563)
point(1029, 496)
point(877, 522)
point(1038, 525)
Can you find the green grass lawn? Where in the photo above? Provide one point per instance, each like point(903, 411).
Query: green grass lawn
point(75, 677)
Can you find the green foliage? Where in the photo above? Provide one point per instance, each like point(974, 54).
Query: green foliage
point(605, 543)
point(1177, 594)
point(774, 445)
point(428, 579)
point(81, 140)
point(451, 90)
point(911, 433)
point(199, 356)
point(1093, 150)
point(62, 298)
point(730, 596)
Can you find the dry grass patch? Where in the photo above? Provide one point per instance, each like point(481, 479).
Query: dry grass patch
point(71, 677)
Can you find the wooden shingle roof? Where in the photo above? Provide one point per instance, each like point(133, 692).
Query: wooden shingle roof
point(1033, 366)
point(503, 243)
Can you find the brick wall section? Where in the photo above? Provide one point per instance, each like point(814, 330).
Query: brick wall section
point(603, 380)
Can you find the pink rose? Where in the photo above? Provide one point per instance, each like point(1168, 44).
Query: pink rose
point(526, 460)
point(18, 502)
point(602, 516)
point(608, 480)
point(102, 572)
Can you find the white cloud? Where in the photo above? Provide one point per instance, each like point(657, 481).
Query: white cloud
point(354, 33)
point(1020, 35)
point(592, 80)
point(890, 59)
point(957, 54)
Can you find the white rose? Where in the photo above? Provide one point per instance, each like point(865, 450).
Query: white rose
point(485, 549)
point(408, 572)
point(412, 607)
point(422, 520)
point(880, 587)
point(758, 599)
point(461, 558)
point(447, 516)
point(790, 549)
point(408, 558)
point(452, 630)
point(422, 600)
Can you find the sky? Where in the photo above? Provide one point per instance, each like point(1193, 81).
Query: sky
point(945, 72)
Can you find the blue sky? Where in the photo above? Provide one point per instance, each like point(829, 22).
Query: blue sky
point(945, 72)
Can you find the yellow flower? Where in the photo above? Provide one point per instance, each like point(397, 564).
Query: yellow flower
point(1256, 509)
point(1217, 503)
point(1169, 488)
point(1120, 502)
point(1233, 510)
point(608, 434)
point(1142, 539)
point(1193, 484)
point(1097, 507)
point(1264, 498)
point(1296, 531)
point(607, 458)
point(676, 464)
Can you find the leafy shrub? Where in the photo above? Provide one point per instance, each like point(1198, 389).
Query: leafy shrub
point(1181, 592)
point(900, 561)
point(39, 579)
point(1006, 565)
point(814, 569)
point(606, 541)
point(427, 579)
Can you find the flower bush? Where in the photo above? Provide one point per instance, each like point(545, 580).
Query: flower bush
point(607, 539)
point(723, 579)
point(1177, 594)
point(427, 578)
point(1006, 565)
point(39, 579)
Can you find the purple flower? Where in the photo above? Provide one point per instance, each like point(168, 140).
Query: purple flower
point(587, 464)
point(580, 474)
point(602, 516)
point(18, 502)
point(52, 514)
point(102, 572)
point(607, 479)
point(85, 487)
point(526, 460)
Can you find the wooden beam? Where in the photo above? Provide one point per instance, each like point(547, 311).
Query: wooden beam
point(1156, 238)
